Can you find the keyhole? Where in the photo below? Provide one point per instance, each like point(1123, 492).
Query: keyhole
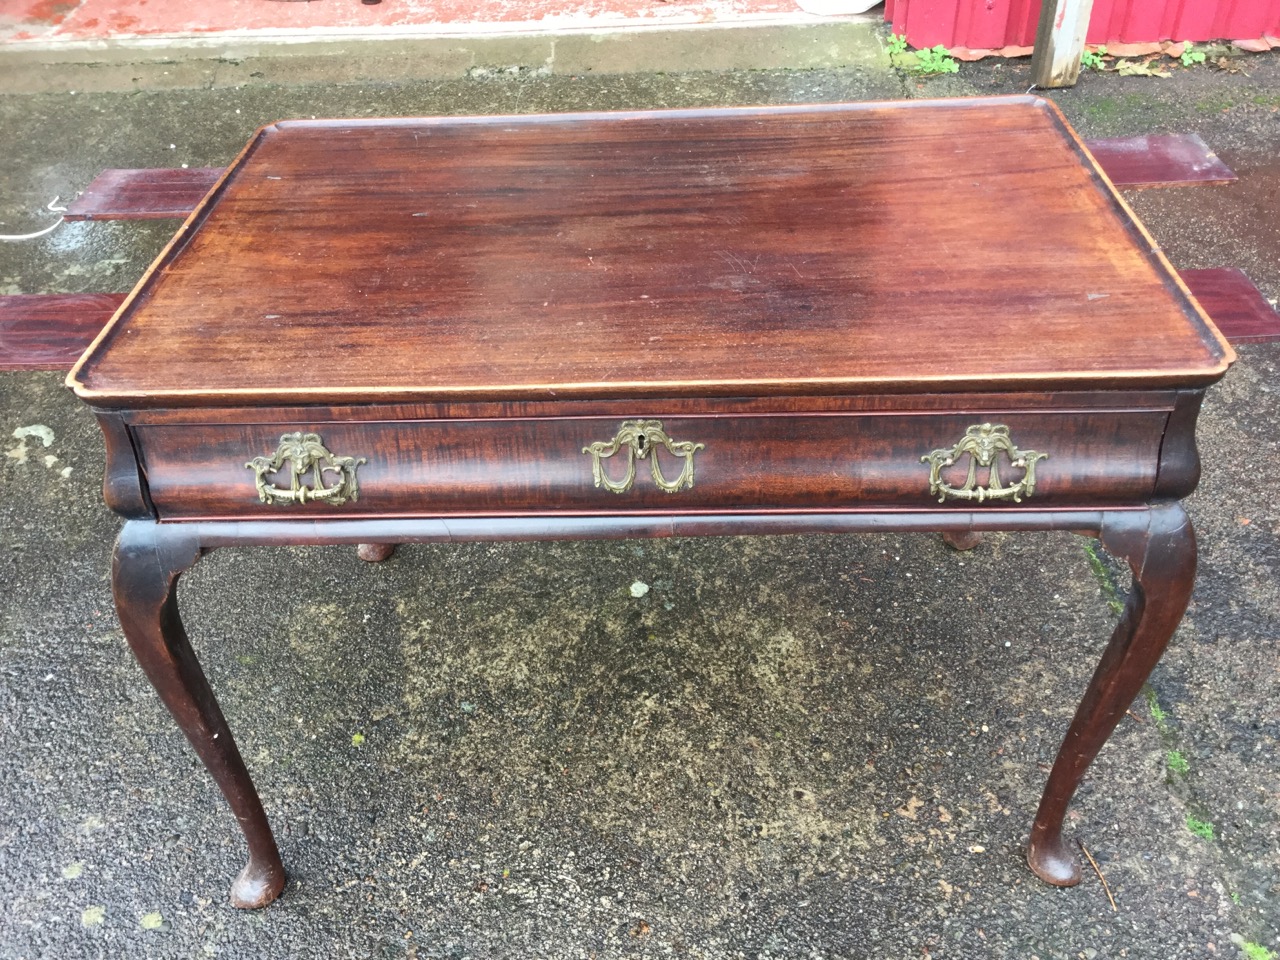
point(641, 442)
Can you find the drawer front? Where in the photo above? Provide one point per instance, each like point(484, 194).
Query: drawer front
point(704, 463)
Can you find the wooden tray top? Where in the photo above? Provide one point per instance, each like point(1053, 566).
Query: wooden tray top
point(845, 248)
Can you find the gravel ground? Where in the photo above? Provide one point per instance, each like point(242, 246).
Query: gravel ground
point(799, 747)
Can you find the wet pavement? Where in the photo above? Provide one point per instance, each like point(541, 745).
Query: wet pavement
point(808, 747)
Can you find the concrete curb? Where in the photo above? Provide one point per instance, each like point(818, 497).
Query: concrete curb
point(198, 62)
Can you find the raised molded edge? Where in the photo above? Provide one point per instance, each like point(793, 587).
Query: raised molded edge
point(1220, 352)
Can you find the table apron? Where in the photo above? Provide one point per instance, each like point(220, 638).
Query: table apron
point(748, 463)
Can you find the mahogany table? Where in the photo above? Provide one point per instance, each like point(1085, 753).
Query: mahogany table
point(923, 316)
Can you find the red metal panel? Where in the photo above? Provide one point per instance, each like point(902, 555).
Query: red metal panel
point(927, 23)
point(1196, 20)
point(1259, 19)
point(992, 24)
point(1173, 19)
point(991, 21)
point(1104, 21)
point(1029, 23)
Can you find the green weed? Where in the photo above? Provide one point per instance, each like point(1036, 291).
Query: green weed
point(1177, 762)
point(926, 62)
point(1256, 951)
point(1103, 575)
point(1201, 828)
point(1158, 716)
point(935, 61)
point(1190, 57)
point(1093, 59)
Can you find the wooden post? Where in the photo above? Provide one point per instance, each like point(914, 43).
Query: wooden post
point(1060, 42)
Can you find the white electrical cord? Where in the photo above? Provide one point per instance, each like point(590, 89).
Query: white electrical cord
point(39, 233)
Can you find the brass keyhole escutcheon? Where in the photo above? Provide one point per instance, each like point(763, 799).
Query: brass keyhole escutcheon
point(333, 478)
point(639, 439)
point(983, 444)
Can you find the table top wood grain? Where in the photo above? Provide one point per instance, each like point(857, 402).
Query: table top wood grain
point(828, 249)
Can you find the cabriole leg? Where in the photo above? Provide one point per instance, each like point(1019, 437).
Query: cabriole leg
point(1160, 547)
point(149, 558)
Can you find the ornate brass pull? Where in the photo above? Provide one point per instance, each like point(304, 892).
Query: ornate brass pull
point(638, 438)
point(305, 453)
point(983, 443)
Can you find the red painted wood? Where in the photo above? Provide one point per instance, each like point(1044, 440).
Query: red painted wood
point(143, 194)
point(50, 331)
point(1235, 305)
point(992, 24)
point(1159, 161)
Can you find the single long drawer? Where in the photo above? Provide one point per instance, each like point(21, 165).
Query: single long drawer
point(601, 464)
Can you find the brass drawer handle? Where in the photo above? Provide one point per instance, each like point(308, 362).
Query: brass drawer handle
point(305, 453)
point(983, 443)
point(638, 438)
